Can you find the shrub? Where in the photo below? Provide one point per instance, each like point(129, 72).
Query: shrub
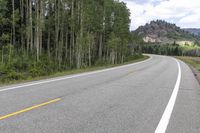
point(15, 76)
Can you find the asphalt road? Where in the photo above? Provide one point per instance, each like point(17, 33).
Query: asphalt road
point(158, 95)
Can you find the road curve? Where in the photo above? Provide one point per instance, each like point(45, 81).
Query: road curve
point(129, 99)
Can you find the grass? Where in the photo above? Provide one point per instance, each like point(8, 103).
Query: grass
point(75, 71)
point(193, 61)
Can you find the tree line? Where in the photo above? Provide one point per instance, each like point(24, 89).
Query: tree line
point(171, 49)
point(53, 35)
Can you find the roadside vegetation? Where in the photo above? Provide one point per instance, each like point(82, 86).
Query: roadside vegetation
point(172, 49)
point(44, 37)
point(10, 77)
point(193, 61)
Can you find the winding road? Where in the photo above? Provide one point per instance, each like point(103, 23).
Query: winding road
point(157, 95)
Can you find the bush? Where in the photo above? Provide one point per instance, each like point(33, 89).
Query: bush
point(9, 75)
point(15, 76)
point(34, 72)
point(101, 62)
point(133, 57)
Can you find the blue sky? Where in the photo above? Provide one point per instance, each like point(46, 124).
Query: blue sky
point(184, 13)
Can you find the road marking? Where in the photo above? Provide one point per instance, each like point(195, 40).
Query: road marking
point(162, 126)
point(29, 109)
point(72, 76)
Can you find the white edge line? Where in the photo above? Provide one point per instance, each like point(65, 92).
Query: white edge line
point(72, 76)
point(162, 126)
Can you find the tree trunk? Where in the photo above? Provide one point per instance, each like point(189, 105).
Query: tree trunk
point(41, 26)
point(79, 44)
point(31, 25)
point(89, 55)
point(48, 44)
point(57, 22)
point(21, 24)
point(112, 56)
point(13, 22)
point(37, 33)
point(28, 25)
point(2, 54)
point(100, 45)
point(10, 52)
point(66, 45)
point(72, 33)
point(61, 45)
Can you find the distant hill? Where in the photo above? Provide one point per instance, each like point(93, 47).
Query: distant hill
point(163, 32)
point(195, 31)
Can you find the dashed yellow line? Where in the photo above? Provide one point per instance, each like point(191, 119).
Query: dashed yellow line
point(28, 109)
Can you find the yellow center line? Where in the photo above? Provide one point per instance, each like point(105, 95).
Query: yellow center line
point(28, 109)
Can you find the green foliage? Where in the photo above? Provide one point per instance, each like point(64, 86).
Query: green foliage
point(171, 49)
point(113, 42)
point(12, 75)
point(4, 38)
point(133, 57)
point(167, 49)
point(193, 61)
point(41, 37)
point(7, 74)
point(101, 62)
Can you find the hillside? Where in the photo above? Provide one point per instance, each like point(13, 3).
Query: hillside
point(163, 32)
point(195, 31)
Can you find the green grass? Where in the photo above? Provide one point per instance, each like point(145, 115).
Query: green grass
point(193, 61)
point(74, 71)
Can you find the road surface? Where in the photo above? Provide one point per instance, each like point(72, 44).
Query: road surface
point(157, 95)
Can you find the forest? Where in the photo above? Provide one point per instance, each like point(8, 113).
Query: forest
point(40, 37)
point(171, 49)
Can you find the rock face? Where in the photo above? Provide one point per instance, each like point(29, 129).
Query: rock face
point(162, 32)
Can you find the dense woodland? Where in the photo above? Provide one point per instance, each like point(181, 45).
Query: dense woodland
point(43, 36)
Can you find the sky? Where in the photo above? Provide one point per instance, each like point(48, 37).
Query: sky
point(183, 13)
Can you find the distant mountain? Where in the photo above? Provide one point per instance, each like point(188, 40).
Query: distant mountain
point(195, 31)
point(163, 32)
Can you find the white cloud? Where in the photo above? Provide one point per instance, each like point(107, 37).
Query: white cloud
point(185, 13)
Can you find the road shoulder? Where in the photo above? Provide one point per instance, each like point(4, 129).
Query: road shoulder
point(196, 73)
point(193, 63)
